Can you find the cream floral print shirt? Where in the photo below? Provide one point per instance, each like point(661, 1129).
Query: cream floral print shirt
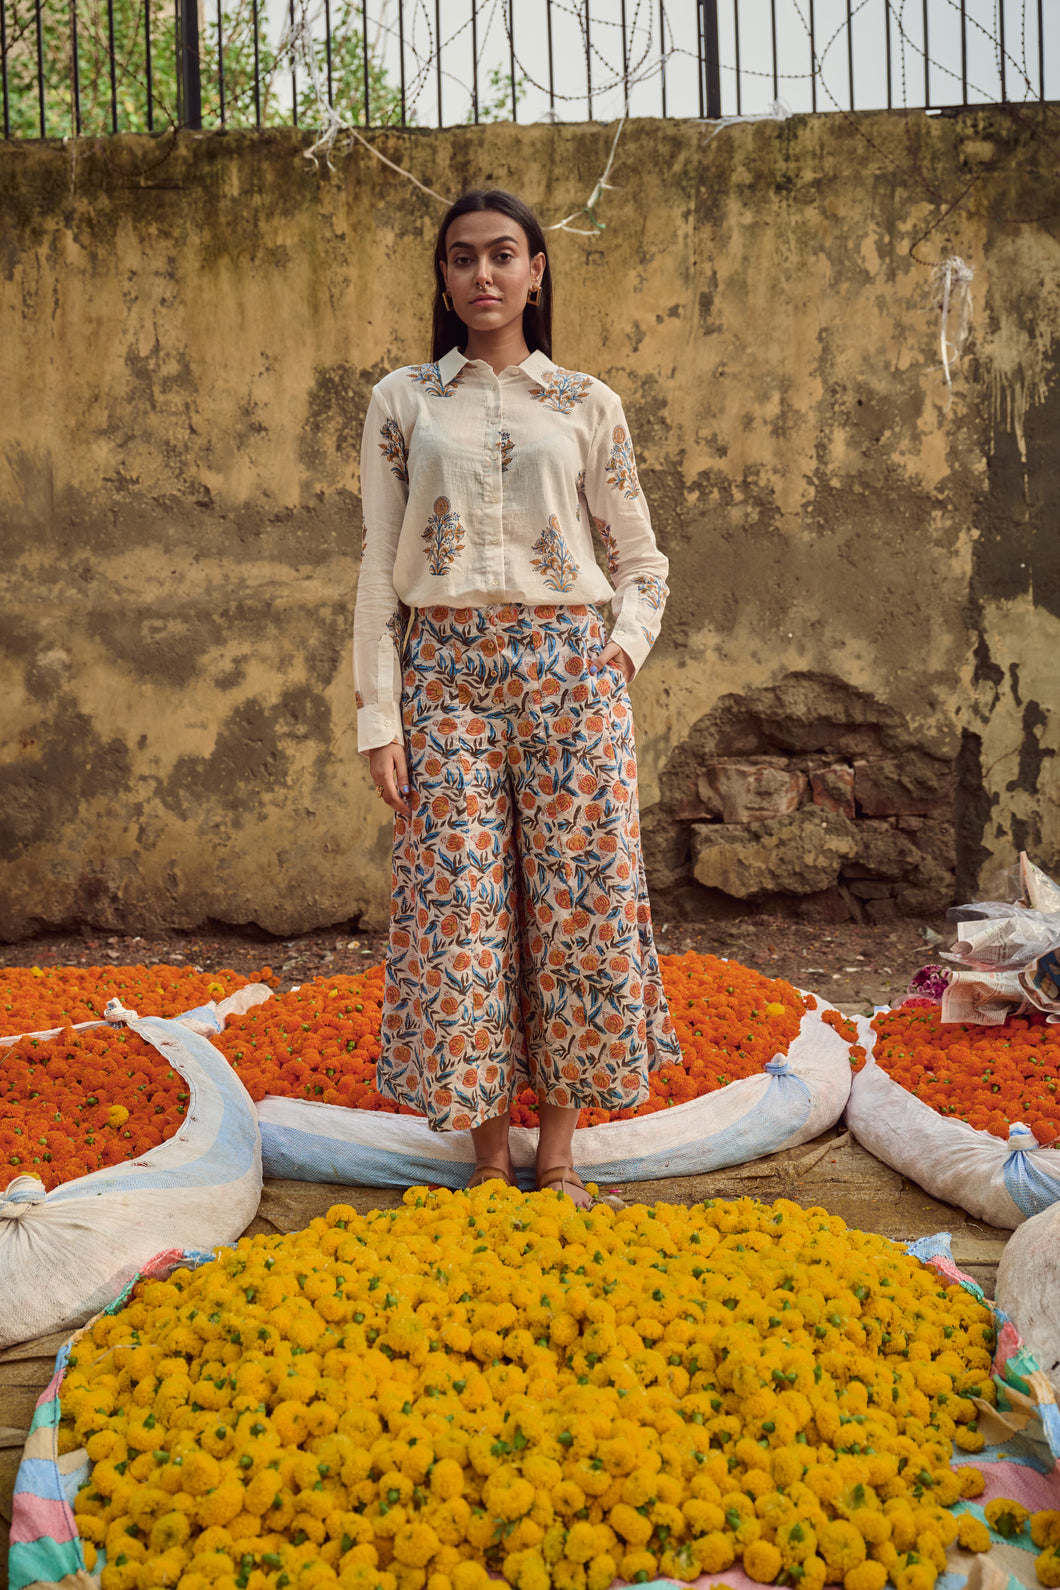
point(480, 489)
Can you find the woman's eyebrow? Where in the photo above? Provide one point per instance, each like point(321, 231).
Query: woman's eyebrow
point(493, 244)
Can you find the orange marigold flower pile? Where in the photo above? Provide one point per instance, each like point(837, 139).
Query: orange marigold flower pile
point(34, 999)
point(83, 1101)
point(990, 1077)
point(321, 1042)
point(848, 1031)
point(729, 1022)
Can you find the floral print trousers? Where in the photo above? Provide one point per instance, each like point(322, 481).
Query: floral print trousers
point(521, 950)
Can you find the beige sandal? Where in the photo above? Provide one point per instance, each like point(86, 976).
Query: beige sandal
point(484, 1173)
point(558, 1178)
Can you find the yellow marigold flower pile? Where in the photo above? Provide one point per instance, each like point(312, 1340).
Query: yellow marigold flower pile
point(495, 1381)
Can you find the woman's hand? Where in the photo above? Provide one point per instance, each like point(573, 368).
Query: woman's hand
point(390, 776)
point(613, 656)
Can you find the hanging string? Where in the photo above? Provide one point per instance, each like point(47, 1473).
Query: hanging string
point(951, 281)
point(589, 207)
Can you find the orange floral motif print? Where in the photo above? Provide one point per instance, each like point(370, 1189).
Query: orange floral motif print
point(521, 950)
point(652, 592)
point(552, 559)
point(623, 474)
point(562, 390)
point(394, 449)
point(506, 448)
point(444, 536)
point(429, 377)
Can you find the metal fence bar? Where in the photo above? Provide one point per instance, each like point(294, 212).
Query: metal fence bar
point(813, 59)
point(662, 55)
point(625, 62)
point(220, 64)
point(147, 67)
point(189, 76)
point(551, 63)
point(327, 49)
point(1041, 52)
point(75, 68)
point(294, 68)
point(927, 61)
point(776, 67)
point(364, 60)
point(113, 68)
point(40, 69)
point(438, 55)
point(401, 53)
point(964, 52)
point(474, 61)
point(588, 64)
point(257, 63)
point(850, 53)
point(710, 61)
point(887, 49)
point(736, 49)
point(3, 70)
point(1001, 50)
point(511, 57)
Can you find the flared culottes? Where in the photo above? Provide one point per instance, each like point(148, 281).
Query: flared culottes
point(521, 950)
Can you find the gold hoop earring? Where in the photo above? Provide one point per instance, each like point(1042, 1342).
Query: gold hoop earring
point(534, 295)
point(447, 301)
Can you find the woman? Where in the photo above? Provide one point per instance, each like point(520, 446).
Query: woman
point(494, 711)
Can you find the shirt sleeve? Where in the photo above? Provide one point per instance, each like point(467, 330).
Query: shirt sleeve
point(620, 518)
point(379, 616)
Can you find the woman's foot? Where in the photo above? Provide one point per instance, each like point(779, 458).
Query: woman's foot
point(564, 1179)
point(493, 1160)
point(484, 1173)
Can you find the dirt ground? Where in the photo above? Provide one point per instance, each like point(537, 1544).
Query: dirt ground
point(852, 966)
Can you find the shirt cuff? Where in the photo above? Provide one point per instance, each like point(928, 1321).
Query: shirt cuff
point(376, 726)
point(634, 643)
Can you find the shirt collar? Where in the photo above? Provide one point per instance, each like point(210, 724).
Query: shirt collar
point(536, 365)
point(450, 364)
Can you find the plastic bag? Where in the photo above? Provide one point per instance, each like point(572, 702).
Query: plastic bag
point(1008, 955)
point(65, 1253)
point(1028, 1288)
point(793, 1100)
point(1004, 943)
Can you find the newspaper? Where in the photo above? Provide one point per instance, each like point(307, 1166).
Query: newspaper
point(1040, 982)
point(984, 999)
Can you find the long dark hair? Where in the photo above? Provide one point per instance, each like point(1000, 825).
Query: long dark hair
point(448, 330)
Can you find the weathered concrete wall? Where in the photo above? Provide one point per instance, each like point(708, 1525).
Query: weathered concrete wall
point(851, 697)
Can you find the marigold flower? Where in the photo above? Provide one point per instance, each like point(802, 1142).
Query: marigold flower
point(762, 1561)
point(867, 1575)
point(1006, 1516)
point(1047, 1567)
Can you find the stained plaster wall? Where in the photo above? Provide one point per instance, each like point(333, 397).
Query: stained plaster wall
point(189, 332)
